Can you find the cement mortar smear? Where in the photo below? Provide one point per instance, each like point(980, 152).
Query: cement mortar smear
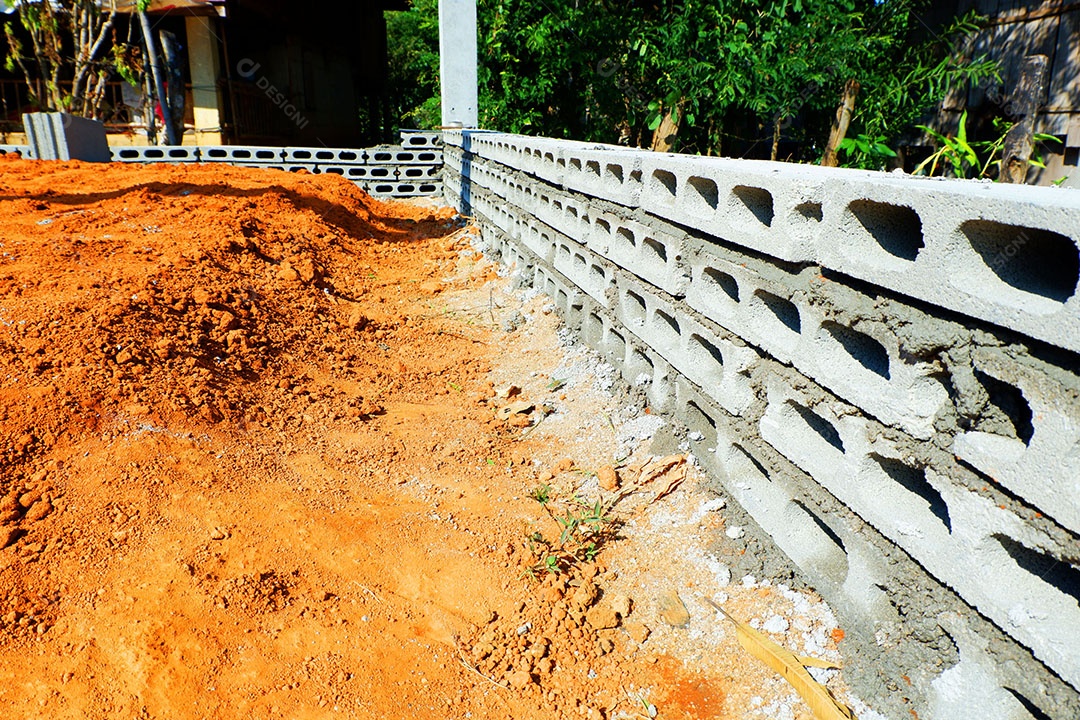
point(882, 371)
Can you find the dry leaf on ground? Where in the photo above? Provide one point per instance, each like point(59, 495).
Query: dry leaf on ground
point(792, 668)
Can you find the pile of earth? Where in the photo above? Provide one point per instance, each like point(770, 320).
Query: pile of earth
point(254, 465)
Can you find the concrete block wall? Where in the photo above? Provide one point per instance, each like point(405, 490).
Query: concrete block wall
point(411, 169)
point(883, 372)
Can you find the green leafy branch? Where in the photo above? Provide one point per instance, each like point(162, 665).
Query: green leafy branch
point(965, 158)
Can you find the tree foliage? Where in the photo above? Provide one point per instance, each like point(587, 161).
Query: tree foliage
point(65, 51)
point(735, 77)
point(413, 65)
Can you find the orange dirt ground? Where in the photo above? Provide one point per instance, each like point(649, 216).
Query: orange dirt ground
point(249, 470)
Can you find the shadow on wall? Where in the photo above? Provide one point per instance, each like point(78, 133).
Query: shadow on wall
point(466, 174)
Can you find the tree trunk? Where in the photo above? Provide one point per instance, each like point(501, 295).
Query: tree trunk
point(1026, 98)
point(775, 140)
point(841, 123)
point(174, 67)
point(664, 136)
point(159, 79)
point(90, 33)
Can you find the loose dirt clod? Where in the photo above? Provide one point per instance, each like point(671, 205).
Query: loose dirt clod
point(607, 478)
point(672, 609)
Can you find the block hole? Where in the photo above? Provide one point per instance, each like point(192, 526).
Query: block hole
point(1009, 402)
point(663, 180)
point(1057, 573)
point(603, 225)
point(824, 527)
point(784, 310)
point(571, 211)
point(896, 228)
point(575, 163)
point(564, 252)
point(634, 307)
point(666, 324)
point(1033, 710)
point(562, 300)
point(699, 420)
point(383, 156)
point(871, 354)
point(706, 359)
point(753, 461)
point(616, 345)
point(579, 260)
point(810, 211)
point(627, 235)
point(641, 362)
point(725, 282)
point(335, 171)
point(635, 176)
point(706, 190)
point(598, 275)
point(594, 329)
point(266, 154)
point(614, 172)
point(658, 249)
point(914, 480)
point(549, 157)
point(757, 200)
point(1035, 261)
point(556, 204)
point(819, 425)
point(593, 167)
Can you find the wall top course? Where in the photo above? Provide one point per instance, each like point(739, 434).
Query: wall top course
point(1037, 195)
point(1008, 255)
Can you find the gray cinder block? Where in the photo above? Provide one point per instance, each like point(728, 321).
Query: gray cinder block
point(156, 153)
point(240, 154)
point(59, 136)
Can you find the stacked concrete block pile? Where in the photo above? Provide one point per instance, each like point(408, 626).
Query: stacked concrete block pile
point(411, 169)
point(882, 370)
